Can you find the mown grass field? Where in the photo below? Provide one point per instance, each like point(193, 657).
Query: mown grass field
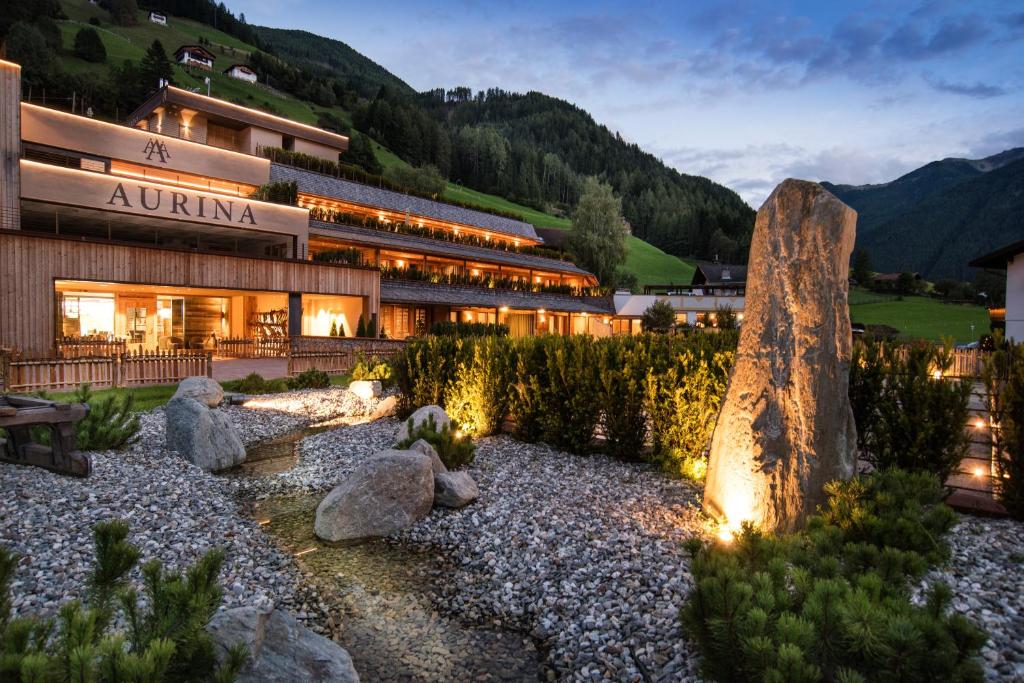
point(919, 317)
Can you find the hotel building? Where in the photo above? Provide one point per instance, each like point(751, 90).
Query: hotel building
point(152, 232)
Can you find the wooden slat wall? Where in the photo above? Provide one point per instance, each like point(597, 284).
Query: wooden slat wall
point(10, 145)
point(29, 264)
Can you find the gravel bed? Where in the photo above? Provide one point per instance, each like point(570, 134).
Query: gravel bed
point(176, 512)
point(988, 587)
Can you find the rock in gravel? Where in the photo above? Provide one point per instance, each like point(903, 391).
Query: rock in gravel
point(203, 389)
point(366, 389)
point(387, 407)
point(786, 427)
point(280, 648)
point(388, 493)
point(424, 447)
point(421, 416)
point(454, 489)
point(204, 437)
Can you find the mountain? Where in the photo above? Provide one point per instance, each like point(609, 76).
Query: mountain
point(935, 219)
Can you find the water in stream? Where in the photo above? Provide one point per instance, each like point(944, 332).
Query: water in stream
point(383, 596)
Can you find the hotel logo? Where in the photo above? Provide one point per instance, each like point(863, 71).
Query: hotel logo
point(157, 147)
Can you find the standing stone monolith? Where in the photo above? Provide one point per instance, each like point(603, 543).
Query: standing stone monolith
point(786, 427)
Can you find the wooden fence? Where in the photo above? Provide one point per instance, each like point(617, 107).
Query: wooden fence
point(20, 374)
point(337, 355)
point(259, 347)
point(86, 347)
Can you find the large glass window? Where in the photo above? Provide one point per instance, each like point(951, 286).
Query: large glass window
point(87, 315)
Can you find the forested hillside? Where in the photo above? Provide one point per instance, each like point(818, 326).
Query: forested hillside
point(937, 218)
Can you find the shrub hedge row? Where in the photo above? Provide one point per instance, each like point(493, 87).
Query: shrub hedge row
point(649, 390)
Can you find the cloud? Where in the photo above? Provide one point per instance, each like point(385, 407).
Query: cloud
point(977, 90)
point(998, 141)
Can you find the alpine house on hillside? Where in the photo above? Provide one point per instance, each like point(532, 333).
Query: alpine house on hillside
point(162, 233)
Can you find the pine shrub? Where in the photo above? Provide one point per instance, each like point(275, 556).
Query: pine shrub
point(529, 374)
point(1004, 381)
point(570, 395)
point(112, 423)
point(477, 394)
point(831, 603)
point(361, 327)
point(622, 373)
point(371, 369)
point(309, 379)
point(455, 449)
point(908, 414)
point(165, 638)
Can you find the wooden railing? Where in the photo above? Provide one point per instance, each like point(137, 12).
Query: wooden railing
point(21, 374)
point(258, 347)
point(86, 347)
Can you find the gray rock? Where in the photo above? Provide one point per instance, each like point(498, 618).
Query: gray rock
point(280, 648)
point(454, 489)
point(387, 407)
point(204, 437)
point(202, 389)
point(422, 446)
point(420, 417)
point(366, 389)
point(387, 493)
point(786, 427)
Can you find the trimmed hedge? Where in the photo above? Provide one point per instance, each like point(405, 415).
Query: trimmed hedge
point(648, 390)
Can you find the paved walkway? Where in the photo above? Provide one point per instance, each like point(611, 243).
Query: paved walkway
point(237, 368)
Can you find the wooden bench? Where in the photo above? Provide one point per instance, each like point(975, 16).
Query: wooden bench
point(18, 415)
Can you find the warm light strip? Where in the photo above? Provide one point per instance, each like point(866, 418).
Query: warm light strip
point(306, 551)
point(263, 114)
point(175, 183)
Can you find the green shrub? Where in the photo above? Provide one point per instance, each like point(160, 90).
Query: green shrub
point(1004, 381)
point(371, 369)
point(831, 602)
point(570, 395)
point(448, 328)
point(455, 449)
point(477, 395)
point(165, 638)
point(623, 365)
point(254, 383)
point(112, 423)
point(310, 379)
point(89, 46)
point(281, 192)
point(659, 317)
point(907, 414)
point(526, 400)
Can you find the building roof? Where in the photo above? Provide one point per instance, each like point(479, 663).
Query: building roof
point(195, 49)
point(213, 106)
point(892, 277)
point(393, 240)
point(719, 274)
point(244, 67)
point(999, 258)
point(410, 292)
point(346, 190)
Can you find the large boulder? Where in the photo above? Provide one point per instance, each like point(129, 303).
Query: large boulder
point(386, 407)
point(202, 389)
point(422, 446)
point(387, 493)
point(366, 389)
point(454, 489)
point(420, 417)
point(786, 426)
point(280, 648)
point(204, 437)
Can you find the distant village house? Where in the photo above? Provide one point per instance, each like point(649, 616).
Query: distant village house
point(158, 18)
point(194, 56)
point(242, 72)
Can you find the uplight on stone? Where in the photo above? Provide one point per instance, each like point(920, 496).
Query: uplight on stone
point(786, 427)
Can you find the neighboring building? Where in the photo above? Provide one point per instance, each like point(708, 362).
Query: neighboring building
point(149, 232)
point(891, 279)
point(714, 286)
point(1012, 316)
point(195, 56)
point(158, 18)
point(242, 72)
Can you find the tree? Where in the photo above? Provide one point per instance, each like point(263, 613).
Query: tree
point(906, 283)
point(659, 317)
point(598, 234)
point(27, 46)
point(88, 45)
point(862, 267)
point(360, 153)
point(155, 66)
point(361, 327)
point(124, 12)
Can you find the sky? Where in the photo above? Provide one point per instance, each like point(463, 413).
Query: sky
point(744, 92)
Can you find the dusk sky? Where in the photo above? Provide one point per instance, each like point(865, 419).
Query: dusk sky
point(746, 93)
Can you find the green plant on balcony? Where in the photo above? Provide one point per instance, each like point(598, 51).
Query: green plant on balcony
point(349, 256)
point(463, 278)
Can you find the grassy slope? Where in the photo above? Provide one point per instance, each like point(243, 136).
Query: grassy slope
point(919, 317)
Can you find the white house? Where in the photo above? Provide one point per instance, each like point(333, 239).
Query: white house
point(1011, 259)
point(194, 56)
point(242, 72)
point(158, 18)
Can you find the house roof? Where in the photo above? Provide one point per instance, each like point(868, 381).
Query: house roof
point(891, 277)
point(346, 190)
point(195, 49)
point(244, 67)
point(380, 238)
point(999, 258)
point(719, 274)
point(409, 292)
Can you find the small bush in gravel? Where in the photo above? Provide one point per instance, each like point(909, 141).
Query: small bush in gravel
point(165, 640)
point(310, 379)
point(371, 369)
point(255, 383)
point(112, 423)
point(908, 415)
point(831, 603)
point(455, 449)
point(1004, 381)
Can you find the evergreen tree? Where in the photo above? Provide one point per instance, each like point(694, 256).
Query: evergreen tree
point(124, 12)
point(862, 267)
point(598, 235)
point(659, 317)
point(155, 66)
point(371, 329)
point(361, 327)
point(89, 46)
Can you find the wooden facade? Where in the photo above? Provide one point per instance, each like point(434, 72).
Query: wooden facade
point(31, 263)
point(10, 145)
